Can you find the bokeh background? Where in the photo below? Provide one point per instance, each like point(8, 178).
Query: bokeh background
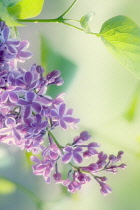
point(103, 94)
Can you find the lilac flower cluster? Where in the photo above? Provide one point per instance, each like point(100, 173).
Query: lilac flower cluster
point(28, 117)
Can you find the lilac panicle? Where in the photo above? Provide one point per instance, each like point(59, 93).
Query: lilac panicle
point(28, 116)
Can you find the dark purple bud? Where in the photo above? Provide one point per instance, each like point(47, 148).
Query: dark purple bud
point(85, 136)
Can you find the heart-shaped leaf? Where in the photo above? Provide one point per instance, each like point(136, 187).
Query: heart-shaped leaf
point(6, 16)
point(26, 9)
point(121, 35)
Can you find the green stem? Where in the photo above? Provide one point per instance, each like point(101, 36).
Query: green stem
point(68, 9)
point(50, 133)
point(35, 199)
point(57, 20)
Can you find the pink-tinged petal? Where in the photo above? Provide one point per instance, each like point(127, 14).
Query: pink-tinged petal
point(36, 106)
point(4, 97)
point(62, 109)
point(77, 120)
point(10, 122)
point(37, 173)
point(23, 102)
point(40, 167)
point(67, 158)
point(13, 97)
point(77, 158)
point(27, 111)
point(47, 172)
point(66, 182)
point(23, 45)
point(54, 148)
point(53, 155)
point(105, 189)
point(24, 55)
point(69, 112)
point(28, 78)
point(4, 131)
point(45, 151)
point(30, 96)
point(63, 125)
point(48, 180)
point(35, 159)
point(69, 119)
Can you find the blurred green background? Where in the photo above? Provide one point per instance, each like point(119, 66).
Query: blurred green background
point(104, 95)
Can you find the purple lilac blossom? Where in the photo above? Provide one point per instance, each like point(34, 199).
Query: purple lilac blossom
point(28, 117)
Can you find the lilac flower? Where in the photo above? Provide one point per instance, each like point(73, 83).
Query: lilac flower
point(43, 167)
point(54, 78)
point(28, 117)
point(27, 82)
point(105, 189)
point(30, 104)
point(11, 128)
point(52, 151)
point(74, 186)
point(10, 43)
point(9, 95)
point(72, 153)
point(22, 53)
point(91, 150)
point(62, 117)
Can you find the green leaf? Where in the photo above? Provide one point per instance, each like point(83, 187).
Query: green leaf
point(5, 16)
point(52, 60)
point(6, 186)
point(10, 3)
point(85, 21)
point(26, 9)
point(121, 35)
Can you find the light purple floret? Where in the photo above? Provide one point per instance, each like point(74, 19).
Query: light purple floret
point(72, 153)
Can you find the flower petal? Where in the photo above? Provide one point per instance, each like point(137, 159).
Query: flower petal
point(62, 109)
point(69, 119)
point(30, 96)
point(77, 158)
point(23, 102)
point(4, 97)
point(27, 111)
point(36, 106)
point(67, 158)
point(63, 125)
point(13, 97)
point(28, 78)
